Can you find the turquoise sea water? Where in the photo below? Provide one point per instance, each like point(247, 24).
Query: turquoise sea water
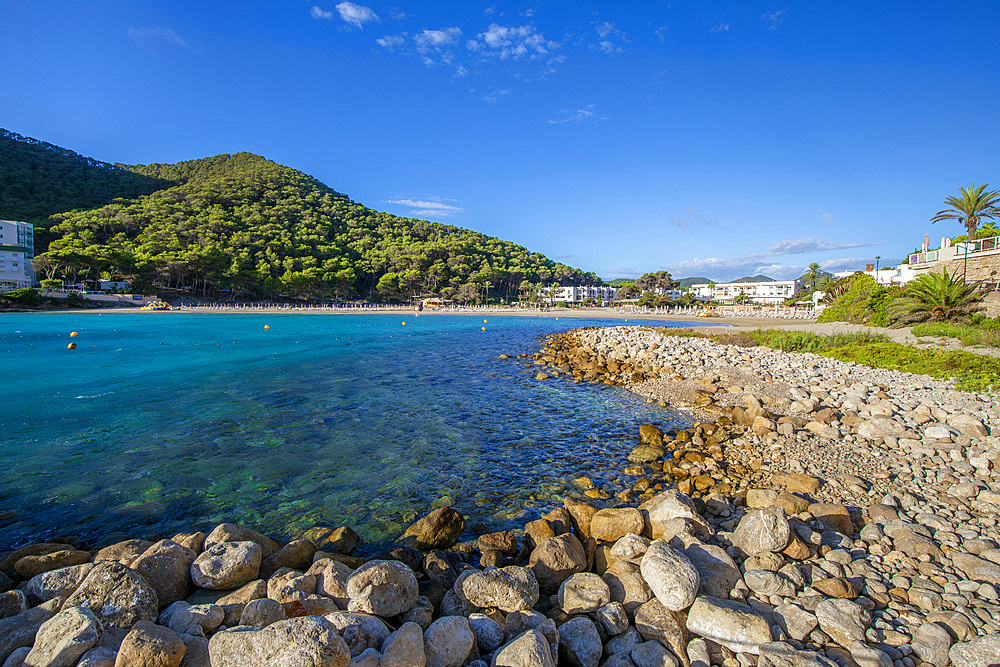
point(163, 422)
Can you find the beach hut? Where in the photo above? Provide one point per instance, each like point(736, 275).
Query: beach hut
point(434, 303)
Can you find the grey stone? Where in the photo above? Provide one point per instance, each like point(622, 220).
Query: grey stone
point(404, 647)
point(117, 595)
point(226, 565)
point(652, 654)
point(383, 588)
point(555, 560)
point(507, 588)
point(99, 656)
point(764, 529)
point(57, 583)
point(489, 634)
point(166, 566)
point(717, 571)
point(448, 642)
point(733, 624)
point(583, 593)
point(981, 652)
point(931, 643)
point(528, 649)
point(309, 641)
point(262, 613)
point(579, 642)
point(844, 621)
point(233, 532)
point(19, 631)
point(670, 575)
point(61, 640)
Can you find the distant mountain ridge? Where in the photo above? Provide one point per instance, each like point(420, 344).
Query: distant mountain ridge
point(243, 226)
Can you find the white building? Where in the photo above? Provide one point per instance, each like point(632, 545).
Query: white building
point(770, 292)
point(17, 247)
point(573, 294)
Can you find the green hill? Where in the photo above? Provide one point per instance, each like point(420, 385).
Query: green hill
point(759, 278)
point(38, 179)
point(695, 280)
point(243, 226)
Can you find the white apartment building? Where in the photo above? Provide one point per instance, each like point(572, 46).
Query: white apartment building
point(17, 247)
point(577, 294)
point(770, 292)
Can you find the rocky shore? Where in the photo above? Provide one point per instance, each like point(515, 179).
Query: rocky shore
point(821, 514)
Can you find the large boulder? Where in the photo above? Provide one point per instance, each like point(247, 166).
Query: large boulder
point(29, 566)
point(309, 641)
point(19, 631)
point(730, 623)
point(528, 649)
point(669, 506)
point(167, 567)
point(383, 588)
point(880, 427)
point(764, 529)
point(57, 583)
point(404, 647)
point(556, 559)
point(227, 565)
point(297, 555)
point(670, 575)
point(981, 652)
point(655, 622)
point(610, 524)
point(583, 593)
point(844, 621)
point(233, 532)
point(717, 571)
point(448, 642)
point(506, 588)
point(61, 640)
point(149, 645)
point(119, 596)
point(439, 529)
point(580, 642)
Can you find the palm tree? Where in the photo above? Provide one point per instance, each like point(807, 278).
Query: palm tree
point(974, 204)
point(936, 296)
point(813, 274)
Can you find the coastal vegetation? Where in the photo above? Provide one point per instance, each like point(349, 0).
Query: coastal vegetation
point(936, 297)
point(970, 207)
point(242, 226)
point(969, 371)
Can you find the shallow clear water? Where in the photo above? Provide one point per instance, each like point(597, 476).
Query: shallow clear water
point(163, 422)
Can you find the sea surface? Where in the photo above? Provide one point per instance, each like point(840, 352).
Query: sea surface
point(163, 422)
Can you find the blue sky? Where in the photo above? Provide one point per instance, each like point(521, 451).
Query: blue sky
point(708, 138)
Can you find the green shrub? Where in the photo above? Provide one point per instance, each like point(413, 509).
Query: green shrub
point(986, 333)
point(859, 300)
point(23, 297)
point(970, 372)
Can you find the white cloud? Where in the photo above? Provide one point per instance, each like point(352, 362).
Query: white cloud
point(356, 15)
point(427, 207)
point(826, 217)
point(435, 39)
point(661, 33)
point(608, 38)
point(774, 19)
point(392, 42)
point(574, 116)
point(856, 263)
point(153, 36)
point(318, 13)
point(494, 95)
point(722, 27)
point(693, 220)
point(511, 42)
point(761, 261)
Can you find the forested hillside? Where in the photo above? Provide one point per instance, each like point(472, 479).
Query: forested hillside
point(242, 226)
point(38, 179)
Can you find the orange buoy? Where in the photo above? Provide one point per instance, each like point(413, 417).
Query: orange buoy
point(404, 324)
point(71, 346)
point(72, 334)
point(267, 326)
point(484, 328)
point(484, 321)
